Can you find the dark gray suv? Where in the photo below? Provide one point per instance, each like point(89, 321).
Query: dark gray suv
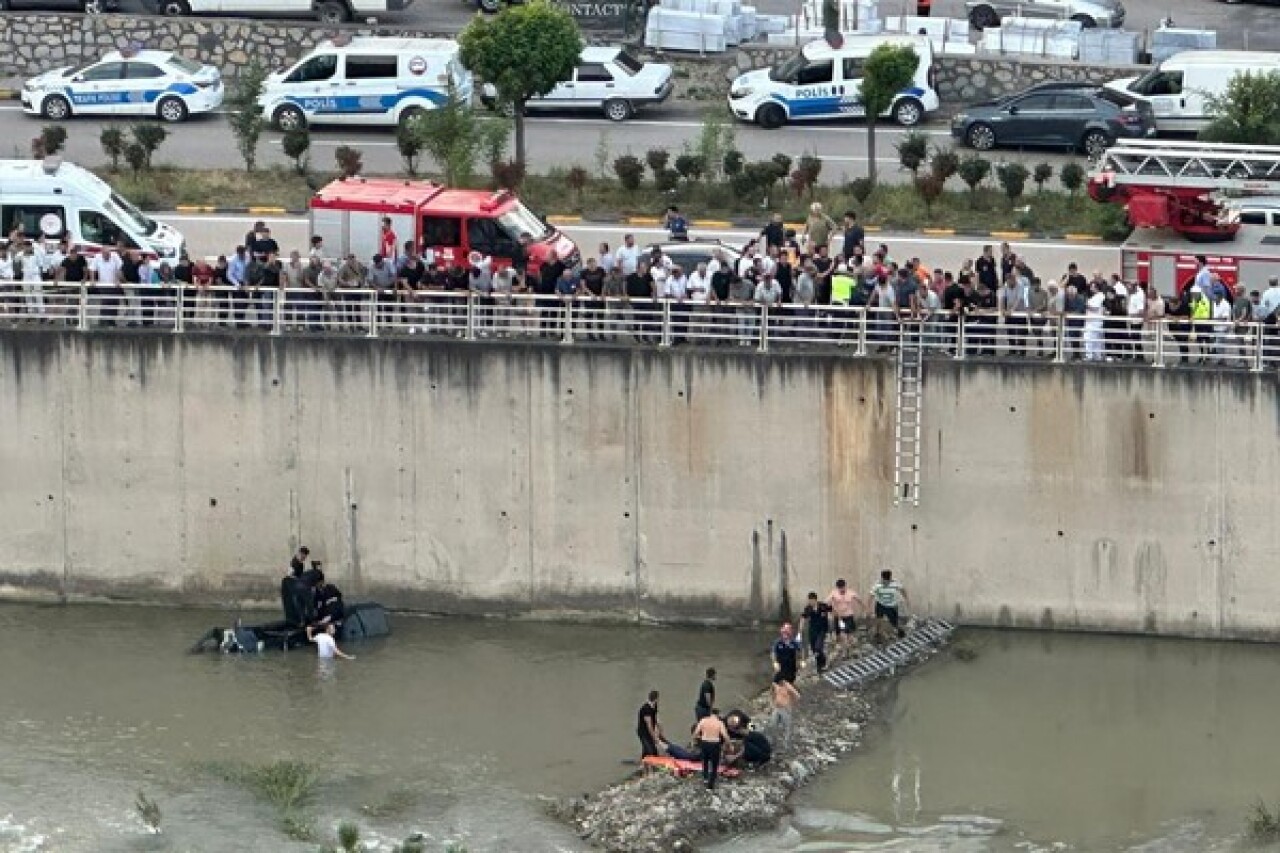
point(1055, 115)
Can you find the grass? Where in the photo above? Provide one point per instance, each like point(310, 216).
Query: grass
point(891, 206)
point(287, 786)
point(393, 804)
point(1263, 824)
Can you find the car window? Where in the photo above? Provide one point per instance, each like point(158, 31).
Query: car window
point(628, 63)
point(371, 67)
point(34, 219)
point(593, 72)
point(1071, 102)
point(188, 66)
point(104, 71)
point(814, 73)
point(853, 68)
point(1034, 102)
point(96, 227)
point(141, 71)
point(1160, 83)
point(486, 237)
point(316, 68)
point(1253, 217)
point(441, 231)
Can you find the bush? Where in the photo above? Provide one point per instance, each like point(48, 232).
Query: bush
point(861, 189)
point(350, 161)
point(1247, 112)
point(410, 144)
point(1263, 824)
point(945, 164)
point(1042, 173)
point(136, 156)
point(913, 148)
point(507, 174)
point(577, 179)
point(1071, 177)
point(53, 138)
point(296, 145)
point(733, 162)
point(805, 177)
point(630, 172)
point(781, 166)
point(691, 167)
point(667, 180)
point(973, 171)
point(1013, 179)
point(113, 143)
point(150, 137)
point(930, 188)
point(657, 158)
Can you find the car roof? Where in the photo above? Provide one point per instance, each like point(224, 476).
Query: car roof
point(820, 49)
point(600, 54)
point(158, 56)
point(693, 246)
point(1241, 58)
point(393, 44)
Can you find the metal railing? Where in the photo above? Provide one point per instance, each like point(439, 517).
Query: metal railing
point(1167, 342)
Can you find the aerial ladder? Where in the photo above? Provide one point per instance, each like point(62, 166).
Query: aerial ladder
point(1177, 185)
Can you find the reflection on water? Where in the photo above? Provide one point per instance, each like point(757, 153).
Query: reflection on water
point(457, 724)
point(1058, 742)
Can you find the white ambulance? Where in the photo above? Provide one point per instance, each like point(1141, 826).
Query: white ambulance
point(366, 80)
point(49, 198)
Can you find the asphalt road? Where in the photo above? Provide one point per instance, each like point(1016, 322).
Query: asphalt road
point(206, 141)
point(1246, 25)
point(211, 235)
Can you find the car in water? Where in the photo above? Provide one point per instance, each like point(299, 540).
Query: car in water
point(608, 80)
point(985, 14)
point(154, 83)
point(1055, 115)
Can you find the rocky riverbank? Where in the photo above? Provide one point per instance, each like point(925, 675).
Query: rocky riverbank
point(654, 812)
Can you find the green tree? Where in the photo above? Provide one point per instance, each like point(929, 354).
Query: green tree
point(1248, 112)
point(973, 171)
point(113, 143)
point(451, 135)
point(523, 52)
point(889, 69)
point(1072, 177)
point(1013, 179)
point(1041, 174)
point(246, 119)
point(150, 137)
point(297, 147)
point(913, 150)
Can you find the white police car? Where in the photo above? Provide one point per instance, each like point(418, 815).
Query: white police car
point(137, 83)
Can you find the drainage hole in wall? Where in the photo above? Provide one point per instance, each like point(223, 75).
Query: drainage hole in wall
point(213, 501)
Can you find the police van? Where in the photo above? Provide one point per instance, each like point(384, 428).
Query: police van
point(367, 81)
point(50, 198)
point(823, 82)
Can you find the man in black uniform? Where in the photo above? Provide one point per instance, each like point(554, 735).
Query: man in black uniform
point(706, 695)
point(647, 728)
point(299, 562)
point(786, 653)
point(816, 621)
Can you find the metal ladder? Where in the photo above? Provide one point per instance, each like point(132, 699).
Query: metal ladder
point(884, 662)
point(906, 429)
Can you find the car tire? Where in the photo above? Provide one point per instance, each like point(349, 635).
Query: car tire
point(92, 7)
point(771, 116)
point(489, 7)
point(616, 109)
point(1085, 21)
point(174, 8)
point(1095, 143)
point(980, 136)
point(410, 115)
point(56, 108)
point(332, 12)
point(984, 17)
point(172, 110)
point(288, 117)
point(908, 112)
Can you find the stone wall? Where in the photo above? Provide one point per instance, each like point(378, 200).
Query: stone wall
point(37, 43)
point(634, 484)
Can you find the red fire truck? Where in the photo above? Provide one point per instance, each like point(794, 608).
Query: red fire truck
point(451, 223)
point(1171, 192)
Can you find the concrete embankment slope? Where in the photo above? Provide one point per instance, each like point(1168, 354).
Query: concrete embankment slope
point(633, 484)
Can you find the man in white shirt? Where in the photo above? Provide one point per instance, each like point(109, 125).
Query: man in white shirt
point(1136, 308)
point(326, 645)
point(104, 269)
point(607, 259)
point(32, 281)
point(628, 255)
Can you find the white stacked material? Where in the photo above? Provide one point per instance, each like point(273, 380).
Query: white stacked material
point(1034, 36)
point(674, 30)
point(1109, 47)
point(772, 24)
point(947, 35)
point(856, 16)
point(1166, 41)
point(749, 24)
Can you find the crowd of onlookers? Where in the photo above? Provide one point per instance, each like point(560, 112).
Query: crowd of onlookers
point(806, 278)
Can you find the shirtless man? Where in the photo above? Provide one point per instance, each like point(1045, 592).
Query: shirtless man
point(784, 696)
point(844, 603)
point(710, 735)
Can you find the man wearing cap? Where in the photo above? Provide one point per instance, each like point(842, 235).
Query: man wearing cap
point(844, 603)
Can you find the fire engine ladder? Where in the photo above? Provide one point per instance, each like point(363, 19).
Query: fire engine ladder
point(906, 429)
point(932, 633)
point(1192, 165)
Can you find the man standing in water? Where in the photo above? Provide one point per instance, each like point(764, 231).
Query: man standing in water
point(784, 696)
point(326, 645)
point(711, 735)
point(844, 603)
point(647, 728)
point(706, 695)
point(888, 595)
point(786, 653)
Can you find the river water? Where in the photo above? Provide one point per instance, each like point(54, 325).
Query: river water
point(456, 728)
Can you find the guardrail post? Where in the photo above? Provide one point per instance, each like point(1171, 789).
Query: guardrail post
point(567, 337)
point(277, 320)
point(861, 349)
point(1060, 339)
point(471, 316)
point(178, 324)
point(666, 324)
point(764, 329)
point(960, 341)
point(1159, 359)
point(82, 309)
point(1257, 350)
point(373, 314)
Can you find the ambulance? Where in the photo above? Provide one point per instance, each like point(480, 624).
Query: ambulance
point(450, 223)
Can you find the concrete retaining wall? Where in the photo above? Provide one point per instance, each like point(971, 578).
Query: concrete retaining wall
point(38, 42)
point(633, 484)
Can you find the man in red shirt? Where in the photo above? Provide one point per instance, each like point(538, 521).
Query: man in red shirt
point(388, 244)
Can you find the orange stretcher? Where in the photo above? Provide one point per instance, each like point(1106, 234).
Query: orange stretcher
point(682, 768)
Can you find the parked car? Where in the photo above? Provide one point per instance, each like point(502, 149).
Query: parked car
point(608, 79)
point(687, 254)
point(1061, 115)
point(139, 83)
point(1090, 13)
point(1180, 87)
point(91, 7)
point(325, 11)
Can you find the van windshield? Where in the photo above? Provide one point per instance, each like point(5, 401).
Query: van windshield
point(520, 220)
point(122, 211)
point(787, 71)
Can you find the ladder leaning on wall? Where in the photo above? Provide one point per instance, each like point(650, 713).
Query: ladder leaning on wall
point(906, 428)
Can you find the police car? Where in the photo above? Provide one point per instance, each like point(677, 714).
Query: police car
point(137, 83)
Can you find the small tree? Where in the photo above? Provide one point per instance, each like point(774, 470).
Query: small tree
point(1013, 179)
point(805, 177)
point(930, 189)
point(495, 135)
point(576, 179)
point(973, 171)
point(350, 161)
point(732, 162)
point(451, 135)
point(714, 140)
point(1040, 174)
point(524, 51)
point(245, 118)
point(691, 167)
point(782, 165)
point(889, 69)
point(136, 156)
point(297, 147)
point(53, 138)
point(1071, 177)
point(113, 143)
point(667, 180)
point(1247, 112)
point(945, 164)
point(861, 189)
point(507, 174)
point(410, 144)
point(150, 137)
point(913, 150)
point(630, 172)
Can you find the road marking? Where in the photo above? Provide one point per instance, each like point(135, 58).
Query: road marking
point(804, 128)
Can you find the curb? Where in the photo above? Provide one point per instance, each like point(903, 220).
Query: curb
point(10, 94)
point(238, 211)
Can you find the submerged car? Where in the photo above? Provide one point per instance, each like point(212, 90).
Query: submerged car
point(139, 83)
point(607, 79)
point(1055, 115)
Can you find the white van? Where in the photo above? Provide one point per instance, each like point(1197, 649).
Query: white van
point(47, 198)
point(325, 11)
point(1178, 88)
point(822, 82)
point(366, 80)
